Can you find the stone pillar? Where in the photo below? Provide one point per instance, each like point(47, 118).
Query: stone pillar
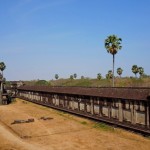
point(92, 106)
point(68, 103)
point(78, 105)
point(100, 108)
point(85, 106)
point(32, 96)
point(133, 112)
point(120, 115)
point(58, 100)
point(41, 98)
point(72, 103)
point(28, 94)
point(148, 114)
point(54, 102)
point(1, 87)
point(109, 108)
point(1, 91)
point(0, 97)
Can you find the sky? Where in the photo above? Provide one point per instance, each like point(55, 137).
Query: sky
point(41, 38)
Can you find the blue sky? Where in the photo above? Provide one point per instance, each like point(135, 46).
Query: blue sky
point(39, 38)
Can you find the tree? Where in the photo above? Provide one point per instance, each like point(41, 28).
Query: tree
point(141, 71)
point(119, 71)
point(135, 70)
point(112, 45)
point(75, 75)
point(71, 77)
point(109, 75)
point(41, 82)
point(2, 67)
point(56, 76)
point(99, 76)
point(82, 77)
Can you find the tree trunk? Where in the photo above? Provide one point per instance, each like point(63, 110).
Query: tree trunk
point(113, 69)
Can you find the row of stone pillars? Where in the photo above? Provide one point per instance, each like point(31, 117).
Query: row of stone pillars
point(1, 88)
point(76, 103)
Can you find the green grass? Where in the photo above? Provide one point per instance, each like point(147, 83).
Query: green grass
point(97, 125)
point(103, 126)
point(87, 82)
point(61, 113)
point(84, 122)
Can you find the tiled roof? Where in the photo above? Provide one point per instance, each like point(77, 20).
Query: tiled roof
point(123, 93)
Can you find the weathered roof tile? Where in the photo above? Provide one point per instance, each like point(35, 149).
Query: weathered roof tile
point(123, 93)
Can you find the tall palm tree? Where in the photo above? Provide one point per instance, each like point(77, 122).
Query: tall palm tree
point(135, 70)
point(2, 67)
point(119, 71)
point(112, 45)
point(75, 75)
point(141, 71)
point(56, 76)
point(99, 76)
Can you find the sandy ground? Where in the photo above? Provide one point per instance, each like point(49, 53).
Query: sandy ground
point(63, 132)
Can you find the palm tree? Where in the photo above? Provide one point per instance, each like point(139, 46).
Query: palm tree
point(141, 71)
point(119, 71)
point(75, 75)
point(99, 76)
point(109, 75)
point(56, 76)
point(2, 67)
point(135, 70)
point(71, 77)
point(112, 45)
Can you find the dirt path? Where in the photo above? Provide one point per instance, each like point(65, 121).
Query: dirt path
point(62, 132)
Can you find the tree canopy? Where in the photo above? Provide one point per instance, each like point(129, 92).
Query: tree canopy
point(99, 76)
point(119, 71)
point(135, 69)
point(56, 76)
point(141, 71)
point(2, 67)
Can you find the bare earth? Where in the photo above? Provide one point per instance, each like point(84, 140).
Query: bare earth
point(63, 132)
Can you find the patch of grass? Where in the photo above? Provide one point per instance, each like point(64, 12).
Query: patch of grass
point(61, 113)
point(83, 122)
point(103, 126)
point(83, 82)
